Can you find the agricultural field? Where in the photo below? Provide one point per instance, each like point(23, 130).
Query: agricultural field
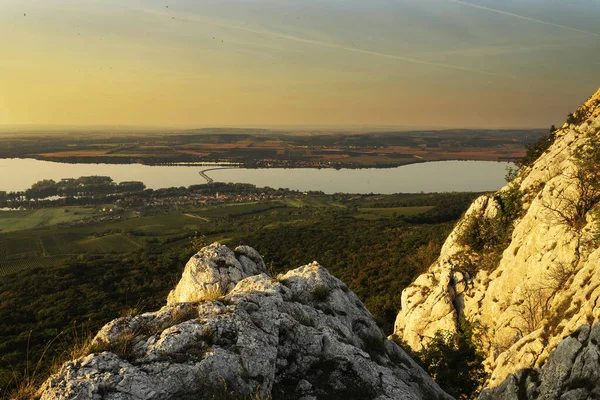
point(8, 267)
point(20, 220)
point(272, 148)
point(40, 238)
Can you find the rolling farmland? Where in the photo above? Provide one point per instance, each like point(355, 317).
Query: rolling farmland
point(40, 238)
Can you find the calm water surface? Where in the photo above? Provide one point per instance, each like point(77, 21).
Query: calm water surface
point(441, 176)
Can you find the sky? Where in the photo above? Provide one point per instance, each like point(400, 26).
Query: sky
point(297, 63)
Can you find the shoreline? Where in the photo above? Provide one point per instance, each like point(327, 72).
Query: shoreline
point(231, 165)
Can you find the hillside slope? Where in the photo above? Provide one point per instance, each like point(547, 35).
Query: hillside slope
point(521, 265)
point(231, 331)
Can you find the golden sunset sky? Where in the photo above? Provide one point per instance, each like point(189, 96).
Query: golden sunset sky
point(338, 63)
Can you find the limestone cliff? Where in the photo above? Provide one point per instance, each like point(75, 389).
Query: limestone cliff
point(231, 331)
point(530, 289)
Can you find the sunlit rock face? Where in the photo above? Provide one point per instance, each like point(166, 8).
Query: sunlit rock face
point(546, 282)
point(231, 331)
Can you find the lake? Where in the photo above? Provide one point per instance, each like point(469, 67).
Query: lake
point(439, 176)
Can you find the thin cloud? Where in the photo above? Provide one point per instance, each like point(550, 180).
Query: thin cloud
point(494, 10)
point(284, 36)
point(501, 50)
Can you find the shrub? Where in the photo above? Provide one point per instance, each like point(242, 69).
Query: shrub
point(198, 241)
point(535, 150)
point(454, 362)
point(374, 345)
point(463, 262)
point(511, 204)
point(424, 256)
point(532, 311)
point(320, 292)
point(486, 238)
point(511, 174)
point(572, 206)
point(559, 274)
point(577, 117)
point(480, 233)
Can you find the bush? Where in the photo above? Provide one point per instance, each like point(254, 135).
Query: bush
point(425, 256)
point(374, 345)
point(486, 238)
point(481, 233)
point(320, 292)
point(511, 204)
point(454, 362)
point(535, 150)
point(572, 207)
point(577, 117)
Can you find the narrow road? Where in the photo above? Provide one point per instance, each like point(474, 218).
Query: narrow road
point(208, 178)
point(197, 216)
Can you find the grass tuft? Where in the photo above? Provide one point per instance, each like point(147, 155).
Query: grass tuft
point(213, 293)
point(320, 292)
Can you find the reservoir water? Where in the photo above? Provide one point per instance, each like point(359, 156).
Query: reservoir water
point(439, 176)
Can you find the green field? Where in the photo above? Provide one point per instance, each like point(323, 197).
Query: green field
point(7, 267)
point(20, 220)
point(237, 209)
point(321, 202)
point(35, 238)
point(39, 238)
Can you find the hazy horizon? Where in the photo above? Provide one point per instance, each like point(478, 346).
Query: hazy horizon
point(406, 64)
point(275, 128)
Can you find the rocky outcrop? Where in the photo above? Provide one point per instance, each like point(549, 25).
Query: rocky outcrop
point(571, 372)
point(544, 282)
point(231, 331)
point(216, 269)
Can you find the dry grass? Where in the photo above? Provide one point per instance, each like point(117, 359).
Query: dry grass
point(210, 294)
point(81, 347)
point(122, 346)
point(135, 310)
point(208, 335)
point(29, 380)
point(26, 390)
point(179, 315)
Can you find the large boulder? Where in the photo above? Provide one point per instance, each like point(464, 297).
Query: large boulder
point(215, 269)
point(571, 372)
point(302, 335)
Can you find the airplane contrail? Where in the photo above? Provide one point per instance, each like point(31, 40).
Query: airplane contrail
point(360, 50)
point(333, 45)
point(524, 17)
